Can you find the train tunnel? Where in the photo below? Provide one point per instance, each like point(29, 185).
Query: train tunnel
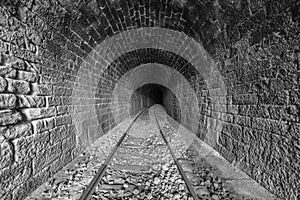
point(154, 92)
point(226, 73)
point(151, 94)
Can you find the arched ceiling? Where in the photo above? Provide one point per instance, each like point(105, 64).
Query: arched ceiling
point(133, 59)
point(216, 24)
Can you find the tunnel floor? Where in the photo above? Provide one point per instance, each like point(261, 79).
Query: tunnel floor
point(143, 167)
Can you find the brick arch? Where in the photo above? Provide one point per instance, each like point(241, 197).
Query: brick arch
point(92, 22)
point(128, 62)
point(135, 58)
point(99, 65)
point(97, 20)
point(178, 86)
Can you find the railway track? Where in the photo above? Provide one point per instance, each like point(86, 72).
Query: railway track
point(131, 146)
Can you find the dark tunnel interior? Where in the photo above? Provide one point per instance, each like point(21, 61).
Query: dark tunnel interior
point(155, 92)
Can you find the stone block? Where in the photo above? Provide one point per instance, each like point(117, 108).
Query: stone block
point(2, 131)
point(18, 130)
point(27, 76)
point(71, 129)
point(54, 152)
point(287, 113)
point(63, 120)
point(55, 165)
point(233, 130)
point(276, 112)
point(220, 107)
point(41, 141)
point(14, 176)
point(5, 181)
point(41, 177)
point(66, 157)
point(242, 120)
point(250, 136)
point(27, 101)
point(227, 154)
point(294, 131)
point(245, 99)
point(62, 110)
point(215, 114)
point(54, 101)
point(6, 155)
point(24, 148)
point(39, 161)
point(232, 109)
point(20, 173)
point(258, 111)
point(292, 113)
point(295, 97)
point(66, 100)
point(40, 89)
point(8, 72)
point(57, 134)
point(211, 138)
point(43, 125)
point(3, 84)
point(19, 65)
point(38, 113)
point(18, 87)
point(277, 97)
point(8, 101)
point(243, 109)
point(9, 117)
point(227, 117)
point(44, 80)
point(5, 195)
point(59, 91)
point(69, 143)
point(275, 126)
point(30, 184)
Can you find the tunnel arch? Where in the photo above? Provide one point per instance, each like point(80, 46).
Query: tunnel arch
point(152, 91)
point(190, 17)
point(167, 77)
point(133, 59)
point(94, 70)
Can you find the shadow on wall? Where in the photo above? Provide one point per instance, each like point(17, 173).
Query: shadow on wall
point(150, 94)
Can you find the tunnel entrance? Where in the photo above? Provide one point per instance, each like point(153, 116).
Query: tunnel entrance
point(151, 94)
point(154, 93)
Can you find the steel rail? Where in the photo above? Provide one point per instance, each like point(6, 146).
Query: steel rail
point(88, 192)
point(182, 173)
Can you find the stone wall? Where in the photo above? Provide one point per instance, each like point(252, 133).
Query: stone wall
point(36, 133)
point(139, 100)
point(261, 71)
point(56, 84)
point(172, 106)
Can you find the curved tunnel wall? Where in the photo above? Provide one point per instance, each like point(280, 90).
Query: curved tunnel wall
point(172, 106)
point(51, 65)
point(167, 77)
